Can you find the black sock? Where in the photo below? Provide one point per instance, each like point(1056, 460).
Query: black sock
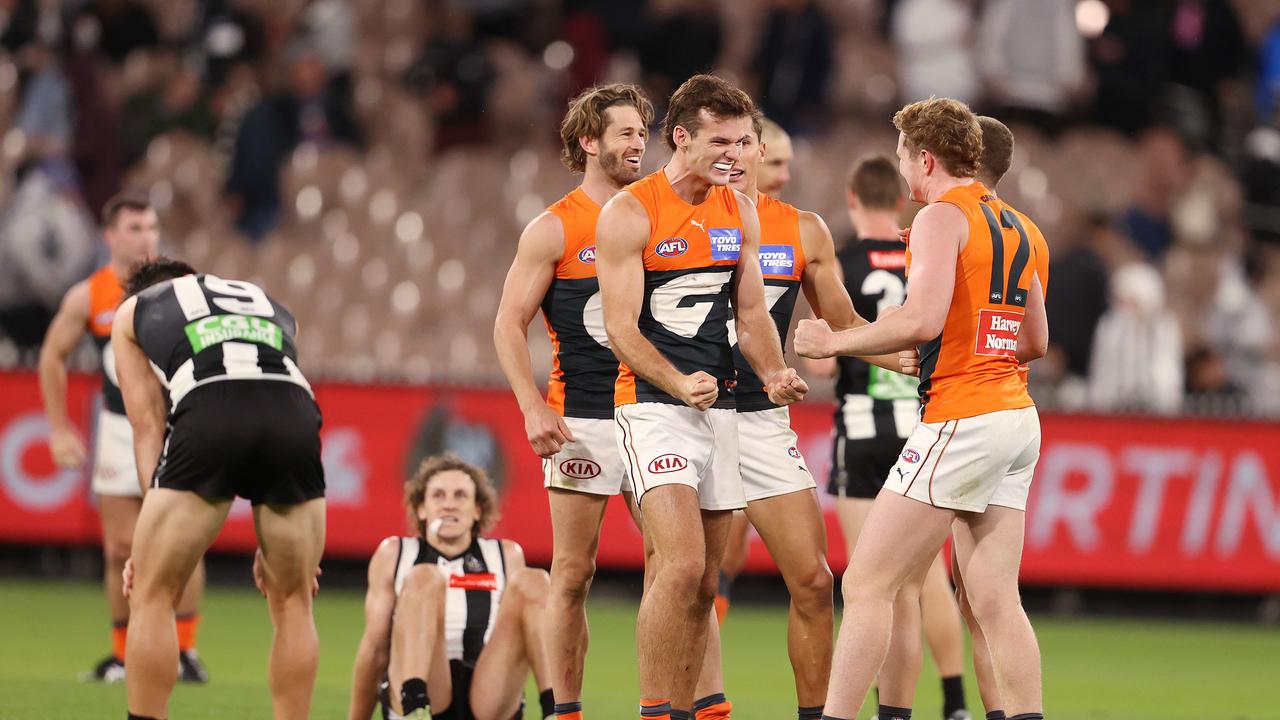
point(1028, 716)
point(569, 707)
point(889, 712)
point(725, 584)
point(548, 703)
point(809, 713)
point(681, 715)
point(996, 715)
point(952, 694)
point(706, 702)
point(413, 695)
point(140, 717)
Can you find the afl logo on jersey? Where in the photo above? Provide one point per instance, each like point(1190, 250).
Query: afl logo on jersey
point(668, 463)
point(579, 468)
point(673, 247)
point(793, 452)
point(588, 255)
point(910, 456)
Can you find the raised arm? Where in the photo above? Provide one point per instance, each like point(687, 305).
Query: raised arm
point(621, 235)
point(64, 333)
point(935, 246)
point(757, 335)
point(541, 245)
point(374, 652)
point(143, 394)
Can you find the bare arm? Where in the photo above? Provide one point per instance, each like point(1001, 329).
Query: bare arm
point(64, 333)
point(514, 555)
point(374, 652)
point(531, 273)
point(142, 391)
point(757, 335)
point(621, 235)
point(824, 288)
point(936, 237)
point(1033, 339)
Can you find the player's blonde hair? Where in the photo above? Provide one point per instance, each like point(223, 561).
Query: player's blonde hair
point(586, 119)
point(946, 128)
point(415, 490)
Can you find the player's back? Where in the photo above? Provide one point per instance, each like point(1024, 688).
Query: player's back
point(970, 369)
point(782, 263)
point(584, 369)
point(689, 263)
point(201, 329)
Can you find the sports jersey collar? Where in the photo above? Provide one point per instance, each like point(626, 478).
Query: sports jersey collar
point(474, 546)
point(581, 196)
point(669, 190)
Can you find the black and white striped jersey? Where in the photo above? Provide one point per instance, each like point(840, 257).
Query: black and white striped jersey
point(199, 329)
point(874, 402)
point(477, 579)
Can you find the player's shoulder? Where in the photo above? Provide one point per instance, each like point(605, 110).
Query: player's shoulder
point(812, 223)
point(77, 298)
point(512, 552)
point(626, 204)
point(387, 553)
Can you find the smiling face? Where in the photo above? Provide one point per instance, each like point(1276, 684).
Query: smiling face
point(620, 148)
point(747, 172)
point(717, 145)
point(450, 498)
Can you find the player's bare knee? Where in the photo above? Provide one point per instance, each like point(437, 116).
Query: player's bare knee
point(992, 606)
point(422, 582)
point(530, 585)
point(572, 575)
point(811, 588)
point(116, 549)
point(683, 575)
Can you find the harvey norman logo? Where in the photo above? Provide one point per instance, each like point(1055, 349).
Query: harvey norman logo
point(215, 329)
point(777, 259)
point(997, 333)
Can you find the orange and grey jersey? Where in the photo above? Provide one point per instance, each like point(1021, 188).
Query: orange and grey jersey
point(689, 263)
point(105, 294)
point(782, 263)
point(583, 367)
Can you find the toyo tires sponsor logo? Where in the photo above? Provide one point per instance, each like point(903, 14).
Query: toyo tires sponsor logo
point(672, 247)
point(587, 255)
point(668, 463)
point(580, 468)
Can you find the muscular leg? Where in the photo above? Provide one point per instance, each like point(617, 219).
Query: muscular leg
point(671, 626)
point(119, 518)
point(852, 514)
point(988, 689)
point(292, 541)
point(901, 670)
point(900, 538)
point(793, 529)
point(193, 593)
point(989, 546)
point(417, 638)
point(942, 621)
point(513, 649)
point(174, 529)
point(575, 527)
point(735, 558)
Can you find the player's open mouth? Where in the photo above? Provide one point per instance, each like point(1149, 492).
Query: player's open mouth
point(722, 166)
point(737, 173)
point(633, 161)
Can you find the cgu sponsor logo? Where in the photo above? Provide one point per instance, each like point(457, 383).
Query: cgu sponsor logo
point(997, 333)
point(588, 255)
point(579, 468)
point(910, 455)
point(668, 463)
point(474, 581)
point(672, 247)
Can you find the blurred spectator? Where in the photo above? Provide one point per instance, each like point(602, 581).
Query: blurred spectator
point(1261, 178)
point(306, 111)
point(329, 26)
point(95, 144)
point(1137, 350)
point(122, 26)
point(1079, 292)
point(693, 27)
point(226, 37)
point(45, 110)
point(1235, 323)
point(176, 102)
point(1267, 92)
point(1206, 49)
point(934, 39)
point(793, 64)
point(1209, 386)
point(455, 74)
point(18, 23)
point(1032, 59)
point(1130, 58)
point(1164, 172)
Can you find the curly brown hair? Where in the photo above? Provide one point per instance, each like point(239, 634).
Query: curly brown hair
point(415, 490)
point(586, 119)
point(706, 92)
point(948, 129)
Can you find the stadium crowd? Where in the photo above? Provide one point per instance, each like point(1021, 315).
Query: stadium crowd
point(388, 152)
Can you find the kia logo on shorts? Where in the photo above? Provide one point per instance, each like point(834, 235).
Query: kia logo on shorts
point(793, 452)
point(667, 463)
point(580, 468)
point(910, 456)
point(672, 247)
point(588, 255)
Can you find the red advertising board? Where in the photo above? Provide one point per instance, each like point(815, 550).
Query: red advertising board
point(1128, 502)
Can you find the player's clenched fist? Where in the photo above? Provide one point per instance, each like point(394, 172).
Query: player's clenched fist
point(699, 390)
point(814, 339)
point(547, 431)
point(785, 387)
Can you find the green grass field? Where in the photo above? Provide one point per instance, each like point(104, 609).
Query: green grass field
point(1094, 669)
